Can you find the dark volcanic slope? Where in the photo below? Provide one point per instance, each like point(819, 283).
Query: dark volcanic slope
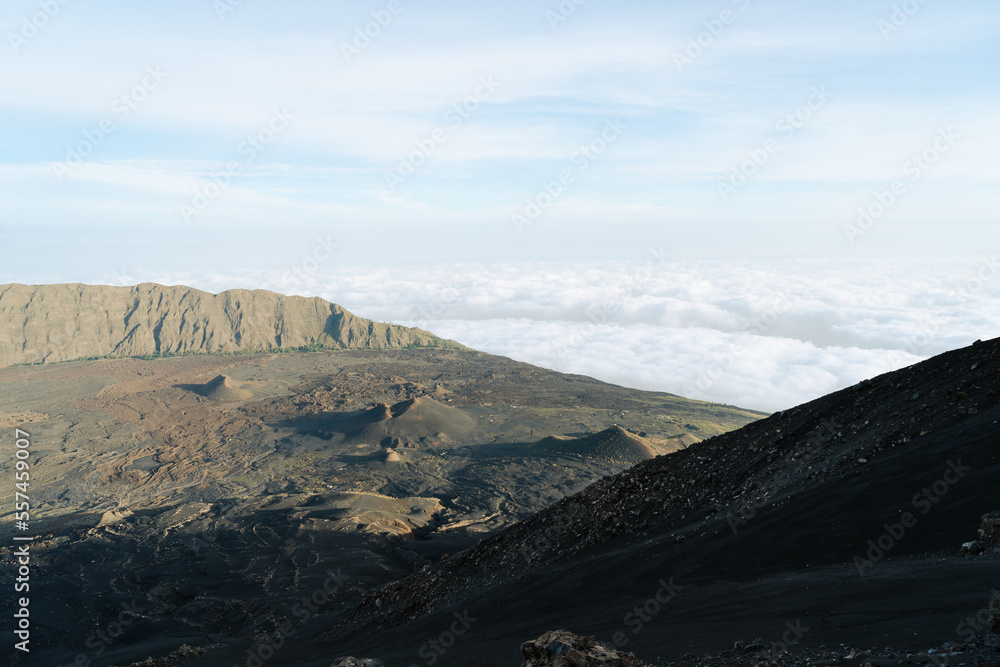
point(761, 526)
point(47, 323)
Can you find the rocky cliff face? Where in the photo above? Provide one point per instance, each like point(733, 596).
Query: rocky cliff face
point(48, 323)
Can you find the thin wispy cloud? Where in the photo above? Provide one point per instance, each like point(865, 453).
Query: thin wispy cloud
point(557, 84)
point(476, 134)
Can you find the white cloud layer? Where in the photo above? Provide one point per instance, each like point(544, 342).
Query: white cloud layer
point(763, 335)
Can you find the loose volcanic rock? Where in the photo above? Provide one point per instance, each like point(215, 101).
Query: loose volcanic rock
point(989, 530)
point(724, 480)
point(560, 648)
point(351, 661)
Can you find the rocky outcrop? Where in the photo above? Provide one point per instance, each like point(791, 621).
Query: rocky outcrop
point(181, 655)
point(989, 530)
point(350, 661)
point(560, 648)
point(49, 323)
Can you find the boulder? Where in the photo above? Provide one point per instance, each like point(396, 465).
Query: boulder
point(349, 661)
point(989, 529)
point(561, 648)
point(973, 548)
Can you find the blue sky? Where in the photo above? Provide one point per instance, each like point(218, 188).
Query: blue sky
point(624, 189)
point(221, 73)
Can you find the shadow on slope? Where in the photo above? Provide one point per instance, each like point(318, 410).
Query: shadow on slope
point(414, 422)
point(615, 445)
point(845, 514)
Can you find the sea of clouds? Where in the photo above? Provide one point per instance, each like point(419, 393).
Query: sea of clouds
point(766, 335)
